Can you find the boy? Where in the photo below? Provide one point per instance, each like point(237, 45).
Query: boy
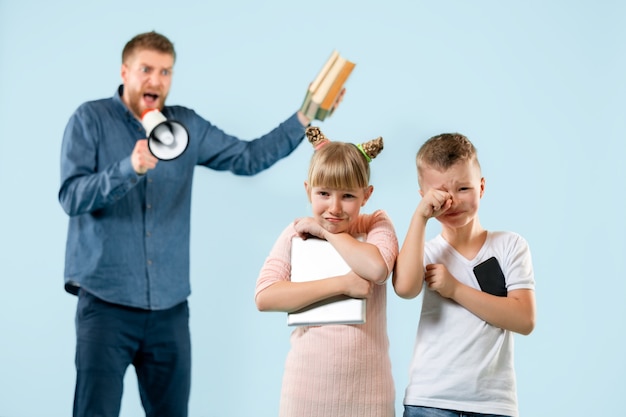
point(462, 362)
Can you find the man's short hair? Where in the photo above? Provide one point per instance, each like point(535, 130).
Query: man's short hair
point(151, 41)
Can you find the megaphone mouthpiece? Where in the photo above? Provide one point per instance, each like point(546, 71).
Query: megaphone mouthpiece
point(163, 134)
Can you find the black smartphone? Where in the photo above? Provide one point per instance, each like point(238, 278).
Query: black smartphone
point(490, 277)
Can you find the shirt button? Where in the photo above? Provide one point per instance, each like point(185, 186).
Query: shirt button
point(148, 234)
point(149, 206)
point(149, 262)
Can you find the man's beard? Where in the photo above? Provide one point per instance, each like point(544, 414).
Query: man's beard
point(137, 104)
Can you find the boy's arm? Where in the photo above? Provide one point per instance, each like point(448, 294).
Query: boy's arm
point(292, 296)
point(408, 274)
point(515, 312)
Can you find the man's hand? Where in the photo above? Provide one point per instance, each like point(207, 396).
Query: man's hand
point(305, 121)
point(141, 158)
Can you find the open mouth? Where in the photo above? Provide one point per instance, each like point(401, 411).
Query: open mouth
point(150, 99)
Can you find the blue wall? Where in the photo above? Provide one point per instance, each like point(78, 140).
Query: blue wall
point(537, 86)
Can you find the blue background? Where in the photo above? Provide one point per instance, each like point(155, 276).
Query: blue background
point(537, 86)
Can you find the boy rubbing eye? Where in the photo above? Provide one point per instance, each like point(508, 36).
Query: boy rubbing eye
point(463, 357)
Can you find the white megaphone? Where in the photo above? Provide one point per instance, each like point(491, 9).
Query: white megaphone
point(167, 139)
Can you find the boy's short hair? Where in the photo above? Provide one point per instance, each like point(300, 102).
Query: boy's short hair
point(443, 151)
point(151, 41)
point(339, 165)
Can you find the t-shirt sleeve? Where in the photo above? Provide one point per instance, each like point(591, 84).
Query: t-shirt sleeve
point(519, 267)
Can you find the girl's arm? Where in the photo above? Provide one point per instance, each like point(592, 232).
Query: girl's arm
point(369, 261)
point(372, 259)
point(292, 296)
point(363, 258)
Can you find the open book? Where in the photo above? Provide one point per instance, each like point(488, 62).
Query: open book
point(314, 259)
point(324, 91)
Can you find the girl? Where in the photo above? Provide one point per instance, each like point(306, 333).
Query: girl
point(336, 370)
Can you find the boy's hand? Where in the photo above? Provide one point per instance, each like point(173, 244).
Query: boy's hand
point(439, 279)
point(434, 203)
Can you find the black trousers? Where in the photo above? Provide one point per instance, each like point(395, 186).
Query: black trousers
point(111, 337)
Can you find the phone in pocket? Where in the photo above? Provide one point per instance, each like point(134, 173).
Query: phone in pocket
point(490, 277)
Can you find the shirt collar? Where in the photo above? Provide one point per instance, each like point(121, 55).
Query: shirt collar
point(117, 99)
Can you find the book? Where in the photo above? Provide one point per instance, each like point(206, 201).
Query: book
point(324, 91)
point(314, 259)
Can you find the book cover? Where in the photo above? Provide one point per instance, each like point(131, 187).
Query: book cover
point(324, 91)
point(314, 259)
point(320, 76)
point(328, 103)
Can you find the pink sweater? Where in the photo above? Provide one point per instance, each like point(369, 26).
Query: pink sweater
point(338, 370)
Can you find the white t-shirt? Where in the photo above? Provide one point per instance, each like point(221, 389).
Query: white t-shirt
point(461, 362)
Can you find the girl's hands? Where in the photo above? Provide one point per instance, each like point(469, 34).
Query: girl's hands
point(353, 284)
point(357, 287)
point(308, 227)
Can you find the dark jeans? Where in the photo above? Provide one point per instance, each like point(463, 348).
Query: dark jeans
point(110, 337)
point(415, 411)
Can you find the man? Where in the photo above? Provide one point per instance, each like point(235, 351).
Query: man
point(127, 255)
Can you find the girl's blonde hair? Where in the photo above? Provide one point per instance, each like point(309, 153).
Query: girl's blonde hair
point(340, 165)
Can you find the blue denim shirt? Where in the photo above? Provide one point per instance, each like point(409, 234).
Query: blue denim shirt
point(128, 235)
